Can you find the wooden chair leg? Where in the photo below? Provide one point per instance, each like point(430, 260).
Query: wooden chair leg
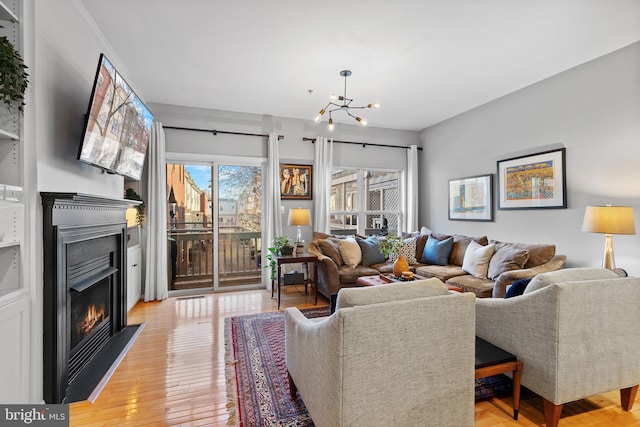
point(552, 413)
point(293, 390)
point(627, 396)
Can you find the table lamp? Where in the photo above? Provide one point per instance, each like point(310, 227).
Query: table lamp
point(609, 220)
point(300, 217)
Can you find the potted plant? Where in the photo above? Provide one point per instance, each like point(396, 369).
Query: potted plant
point(389, 246)
point(281, 246)
point(13, 77)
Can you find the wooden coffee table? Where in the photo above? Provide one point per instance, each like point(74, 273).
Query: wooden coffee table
point(492, 360)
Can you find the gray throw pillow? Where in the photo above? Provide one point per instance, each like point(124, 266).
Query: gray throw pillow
point(370, 248)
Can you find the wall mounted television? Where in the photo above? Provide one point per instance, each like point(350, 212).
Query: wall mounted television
point(117, 128)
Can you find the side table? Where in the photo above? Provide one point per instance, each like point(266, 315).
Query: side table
point(492, 360)
point(297, 259)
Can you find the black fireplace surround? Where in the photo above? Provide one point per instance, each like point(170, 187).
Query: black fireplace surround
point(84, 283)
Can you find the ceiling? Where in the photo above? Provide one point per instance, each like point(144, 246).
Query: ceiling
point(423, 60)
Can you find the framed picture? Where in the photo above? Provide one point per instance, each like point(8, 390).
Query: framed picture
point(295, 182)
point(471, 199)
point(535, 181)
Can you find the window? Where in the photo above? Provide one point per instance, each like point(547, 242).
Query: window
point(363, 200)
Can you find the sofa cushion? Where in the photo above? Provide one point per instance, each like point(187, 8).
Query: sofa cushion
point(407, 250)
point(442, 272)
point(569, 275)
point(349, 275)
point(350, 251)
point(483, 288)
point(538, 253)
point(329, 247)
point(436, 252)
point(506, 258)
point(351, 297)
point(370, 248)
point(460, 244)
point(421, 240)
point(318, 235)
point(476, 259)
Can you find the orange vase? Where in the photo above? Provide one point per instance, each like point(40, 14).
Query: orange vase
point(400, 265)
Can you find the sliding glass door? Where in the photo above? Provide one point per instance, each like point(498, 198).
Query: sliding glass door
point(214, 223)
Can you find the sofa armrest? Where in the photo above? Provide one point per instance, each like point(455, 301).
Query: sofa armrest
point(312, 347)
point(508, 277)
point(328, 280)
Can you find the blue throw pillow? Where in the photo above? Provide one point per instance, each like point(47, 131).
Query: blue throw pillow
point(370, 249)
point(436, 252)
point(517, 288)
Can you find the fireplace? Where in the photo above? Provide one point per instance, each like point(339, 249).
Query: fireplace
point(85, 284)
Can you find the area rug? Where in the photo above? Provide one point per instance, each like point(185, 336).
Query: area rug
point(256, 375)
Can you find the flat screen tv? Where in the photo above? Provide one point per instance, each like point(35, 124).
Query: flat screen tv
point(117, 126)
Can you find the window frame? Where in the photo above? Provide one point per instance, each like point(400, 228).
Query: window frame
point(362, 213)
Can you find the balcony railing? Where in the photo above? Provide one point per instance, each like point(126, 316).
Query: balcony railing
point(191, 248)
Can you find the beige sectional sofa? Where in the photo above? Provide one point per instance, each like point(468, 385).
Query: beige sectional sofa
point(490, 266)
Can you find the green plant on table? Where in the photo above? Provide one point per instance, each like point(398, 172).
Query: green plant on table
point(279, 243)
point(389, 246)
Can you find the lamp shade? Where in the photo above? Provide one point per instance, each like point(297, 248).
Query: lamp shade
point(609, 220)
point(300, 217)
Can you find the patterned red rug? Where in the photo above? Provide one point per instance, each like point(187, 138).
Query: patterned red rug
point(257, 385)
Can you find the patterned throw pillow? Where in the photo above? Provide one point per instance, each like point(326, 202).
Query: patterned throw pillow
point(407, 250)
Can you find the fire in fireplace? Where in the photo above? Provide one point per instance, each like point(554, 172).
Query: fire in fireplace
point(89, 309)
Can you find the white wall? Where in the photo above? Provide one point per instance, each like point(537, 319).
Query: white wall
point(292, 148)
point(63, 48)
point(68, 46)
point(594, 111)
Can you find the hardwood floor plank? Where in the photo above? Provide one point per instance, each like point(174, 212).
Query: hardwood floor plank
point(174, 372)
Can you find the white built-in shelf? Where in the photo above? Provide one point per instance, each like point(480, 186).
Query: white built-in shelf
point(9, 195)
point(7, 14)
point(4, 135)
point(8, 244)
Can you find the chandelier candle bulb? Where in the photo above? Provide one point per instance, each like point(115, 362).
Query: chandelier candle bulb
point(345, 106)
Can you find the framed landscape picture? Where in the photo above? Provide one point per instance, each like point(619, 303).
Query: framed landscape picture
point(471, 199)
point(295, 182)
point(535, 181)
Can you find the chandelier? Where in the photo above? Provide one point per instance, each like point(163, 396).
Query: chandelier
point(346, 105)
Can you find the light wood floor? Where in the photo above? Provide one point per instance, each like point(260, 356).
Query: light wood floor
point(174, 373)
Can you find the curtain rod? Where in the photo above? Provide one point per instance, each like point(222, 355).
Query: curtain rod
point(215, 132)
point(364, 144)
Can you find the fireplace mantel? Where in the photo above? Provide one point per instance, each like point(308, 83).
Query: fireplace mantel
point(78, 225)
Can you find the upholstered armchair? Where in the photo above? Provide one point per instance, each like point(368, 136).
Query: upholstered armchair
point(397, 354)
point(576, 330)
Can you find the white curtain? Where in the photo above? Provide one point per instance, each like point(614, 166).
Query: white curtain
point(271, 193)
point(412, 189)
point(156, 277)
point(322, 169)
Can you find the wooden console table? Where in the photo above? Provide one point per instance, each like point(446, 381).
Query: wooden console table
point(297, 259)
